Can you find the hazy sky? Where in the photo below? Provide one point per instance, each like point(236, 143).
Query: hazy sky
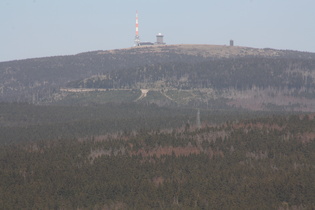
point(38, 28)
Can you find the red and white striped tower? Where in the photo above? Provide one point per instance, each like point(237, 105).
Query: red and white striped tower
point(137, 37)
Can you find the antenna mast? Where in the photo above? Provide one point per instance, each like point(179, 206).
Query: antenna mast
point(137, 37)
point(198, 119)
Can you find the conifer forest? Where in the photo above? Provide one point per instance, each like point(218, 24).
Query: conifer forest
point(161, 127)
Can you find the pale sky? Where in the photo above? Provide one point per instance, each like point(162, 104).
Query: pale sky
point(40, 28)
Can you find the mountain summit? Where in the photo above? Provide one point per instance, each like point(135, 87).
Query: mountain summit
point(209, 76)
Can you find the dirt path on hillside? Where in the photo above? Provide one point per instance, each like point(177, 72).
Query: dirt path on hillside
point(164, 94)
point(144, 93)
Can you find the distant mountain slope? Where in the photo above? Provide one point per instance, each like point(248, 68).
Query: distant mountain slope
point(20, 80)
point(223, 70)
point(238, 73)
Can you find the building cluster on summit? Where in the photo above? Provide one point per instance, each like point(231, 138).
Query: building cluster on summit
point(159, 37)
point(137, 42)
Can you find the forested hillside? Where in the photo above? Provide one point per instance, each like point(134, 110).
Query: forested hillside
point(237, 73)
point(265, 163)
point(29, 123)
point(160, 127)
point(236, 76)
point(41, 77)
point(279, 83)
